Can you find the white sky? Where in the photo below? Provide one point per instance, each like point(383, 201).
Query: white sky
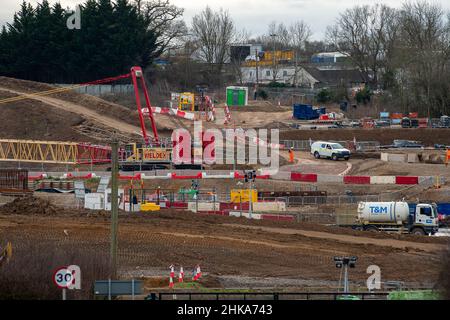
point(252, 15)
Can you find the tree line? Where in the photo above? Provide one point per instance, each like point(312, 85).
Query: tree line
point(114, 35)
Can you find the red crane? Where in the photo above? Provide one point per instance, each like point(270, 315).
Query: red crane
point(137, 76)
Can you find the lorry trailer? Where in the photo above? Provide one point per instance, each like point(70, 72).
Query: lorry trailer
point(399, 216)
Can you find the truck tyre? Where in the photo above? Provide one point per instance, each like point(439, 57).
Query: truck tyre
point(346, 158)
point(372, 229)
point(334, 157)
point(418, 232)
point(316, 155)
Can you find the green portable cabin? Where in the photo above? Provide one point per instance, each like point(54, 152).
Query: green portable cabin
point(237, 96)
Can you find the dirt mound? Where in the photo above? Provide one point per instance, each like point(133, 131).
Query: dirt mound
point(29, 206)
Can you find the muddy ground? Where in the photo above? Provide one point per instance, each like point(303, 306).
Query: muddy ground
point(229, 250)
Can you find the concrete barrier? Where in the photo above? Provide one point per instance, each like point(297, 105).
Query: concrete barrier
point(255, 216)
point(203, 206)
point(406, 180)
point(382, 180)
point(329, 178)
point(357, 179)
point(269, 206)
point(305, 177)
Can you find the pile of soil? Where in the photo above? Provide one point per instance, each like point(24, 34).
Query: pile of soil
point(29, 206)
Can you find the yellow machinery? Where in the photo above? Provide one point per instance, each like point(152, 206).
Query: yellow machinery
point(149, 206)
point(6, 253)
point(139, 157)
point(243, 195)
point(186, 101)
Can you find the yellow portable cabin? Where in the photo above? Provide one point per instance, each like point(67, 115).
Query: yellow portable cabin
point(243, 195)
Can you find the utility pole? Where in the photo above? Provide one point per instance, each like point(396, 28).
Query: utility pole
point(256, 65)
point(273, 35)
point(114, 205)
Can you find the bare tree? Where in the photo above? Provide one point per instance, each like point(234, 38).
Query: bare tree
point(299, 34)
point(364, 32)
point(165, 20)
point(425, 46)
point(213, 32)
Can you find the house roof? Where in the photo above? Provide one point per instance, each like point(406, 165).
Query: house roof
point(335, 76)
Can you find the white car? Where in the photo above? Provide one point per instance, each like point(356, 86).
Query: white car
point(332, 150)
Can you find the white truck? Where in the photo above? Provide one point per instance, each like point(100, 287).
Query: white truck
point(331, 150)
point(418, 219)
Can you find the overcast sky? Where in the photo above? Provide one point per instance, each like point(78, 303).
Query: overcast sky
point(252, 15)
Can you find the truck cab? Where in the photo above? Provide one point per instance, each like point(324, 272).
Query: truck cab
point(423, 218)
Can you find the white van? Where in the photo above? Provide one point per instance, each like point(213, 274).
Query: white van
point(331, 150)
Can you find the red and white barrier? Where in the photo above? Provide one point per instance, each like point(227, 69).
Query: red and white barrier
point(171, 111)
point(285, 176)
point(227, 114)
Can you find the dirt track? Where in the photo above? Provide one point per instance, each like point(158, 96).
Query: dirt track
point(81, 110)
point(226, 246)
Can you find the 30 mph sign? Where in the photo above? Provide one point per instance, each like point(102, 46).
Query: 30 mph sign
point(68, 277)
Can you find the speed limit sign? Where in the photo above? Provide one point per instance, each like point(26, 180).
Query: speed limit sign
point(63, 277)
point(68, 277)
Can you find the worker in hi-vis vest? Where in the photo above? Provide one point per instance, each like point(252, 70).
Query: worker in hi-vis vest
point(291, 155)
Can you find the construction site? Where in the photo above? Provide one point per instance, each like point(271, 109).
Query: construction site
point(68, 160)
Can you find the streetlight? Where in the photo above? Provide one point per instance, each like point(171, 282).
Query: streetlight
point(345, 262)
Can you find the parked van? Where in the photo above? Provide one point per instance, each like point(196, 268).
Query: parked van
point(331, 150)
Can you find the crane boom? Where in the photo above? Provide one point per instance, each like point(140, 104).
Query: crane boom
point(137, 76)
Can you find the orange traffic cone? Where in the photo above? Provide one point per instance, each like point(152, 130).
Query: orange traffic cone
point(181, 275)
point(171, 283)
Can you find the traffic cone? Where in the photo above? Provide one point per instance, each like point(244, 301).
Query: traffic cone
point(199, 272)
point(172, 271)
point(181, 276)
point(171, 283)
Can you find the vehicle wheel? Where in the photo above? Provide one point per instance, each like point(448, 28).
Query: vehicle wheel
point(316, 155)
point(334, 157)
point(418, 232)
point(346, 158)
point(372, 229)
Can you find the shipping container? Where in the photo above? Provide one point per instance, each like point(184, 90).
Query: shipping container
point(307, 112)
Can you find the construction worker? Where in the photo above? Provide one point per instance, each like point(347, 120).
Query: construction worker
point(291, 155)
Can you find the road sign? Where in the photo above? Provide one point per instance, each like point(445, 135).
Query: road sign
point(68, 277)
point(62, 278)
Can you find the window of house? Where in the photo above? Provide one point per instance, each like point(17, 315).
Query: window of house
point(251, 74)
point(268, 73)
point(285, 73)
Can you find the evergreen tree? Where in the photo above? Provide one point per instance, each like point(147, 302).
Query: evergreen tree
point(114, 36)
